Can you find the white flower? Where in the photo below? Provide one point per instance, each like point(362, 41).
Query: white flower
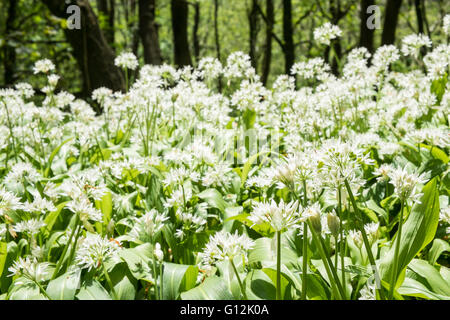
point(8, 202)
point(406, 184)
point(31, 226)
point(127, 60)
point(281, 217)
point(43, 66)
point(446, 25)
point(84, 209)
point(225, 246)
point(147, 226)
point(324, 34)
point(413, 43)
point(30, 269)
point(93, 251)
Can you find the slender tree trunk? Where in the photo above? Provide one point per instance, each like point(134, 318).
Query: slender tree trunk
point(9, 62)
point(288, 37)
point(195, 31)
point(90, 48)
point(107, 8)
point(180, 14)
point(270, 14)
point(419, 15)
point(390, 21)
point(216, 29)
point(253, 32)
point(366, 34)
point(148, 30)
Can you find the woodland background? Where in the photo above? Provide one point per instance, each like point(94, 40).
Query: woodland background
point(275, 34)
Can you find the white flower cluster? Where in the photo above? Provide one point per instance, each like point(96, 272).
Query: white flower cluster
point(327, 32)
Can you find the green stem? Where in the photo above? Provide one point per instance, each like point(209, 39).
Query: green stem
point(110, 284)
point(305, 260)
point(74, 246)
point(42, 290)
point(325, 262)
point(364, 235)
point(239, 280)
point(333, 269)
point(342, 244)
point(397, 248)
point(278, 295)
point(161, 280)
point(61, 259)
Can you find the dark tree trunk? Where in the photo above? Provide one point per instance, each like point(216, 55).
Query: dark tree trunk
point(107, 8)
point(270, 14)
point(390, 21)
point(216, 29)
point(366, 34)
point(90, 48)
point(288, 37)
point(419, 15)
point(195, 31)
point(253, 32)
point(9, 62)
point(180, 13)
point(148, 30)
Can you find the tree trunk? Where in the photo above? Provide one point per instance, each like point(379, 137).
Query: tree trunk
point(253, 32)
point(180, 11)
point(148, 30)
point(390, 21)
point(366, 34)
point(93, 54)
point(216, 29)
point(9, 62)
point(195, 32)
point(270, 14)
point(107, 8)
point(288, 37)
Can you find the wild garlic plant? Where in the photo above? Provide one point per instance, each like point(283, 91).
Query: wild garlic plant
point(203, 183)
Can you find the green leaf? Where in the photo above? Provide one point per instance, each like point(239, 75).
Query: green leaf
point(418, 230)
point(52, 156)
point(436, 152)
point(264, 251)
point(65, 286)
point(138, 260)
point(25, 289)
point(50, 219)
point(414, 288)
point(263, 229)
point(214, 199)
point(212, 288)
point(92, 290)
point(433, 278)
point(123, 282)
point(3, 255)
point(439, 246)
point(178, 278)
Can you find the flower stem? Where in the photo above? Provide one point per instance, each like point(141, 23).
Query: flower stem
point(305, 260)
point(363, 232)
point(397, 248)
point(239, 280)
point(61, 259)
point(278, 294)
point(110, 284)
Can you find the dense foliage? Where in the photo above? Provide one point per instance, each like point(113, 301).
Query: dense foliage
point(186, 189)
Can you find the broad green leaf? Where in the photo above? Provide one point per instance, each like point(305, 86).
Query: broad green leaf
point(418, 230)
point(212, 288)
point(439, 246)
point(263, 229)
point(65, 286)
point(92, 290)
point(214, 199)
point(264, 251)
point(433, 278)
point(178, 278)
point(25, 289)
point(50, 219)
point(123, 282)
point(52, 156)
point(138, 260)
point(3, 255)
point(414, 288)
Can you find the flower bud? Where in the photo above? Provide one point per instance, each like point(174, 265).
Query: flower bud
point(333, 222)
point(313, 214)
point(159, 254)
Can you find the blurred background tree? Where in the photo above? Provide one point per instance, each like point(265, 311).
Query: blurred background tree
point(275, 34)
